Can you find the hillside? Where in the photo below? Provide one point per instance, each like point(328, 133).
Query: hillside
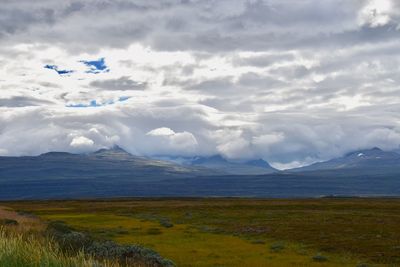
point(222, 165)
point(116, 173)
point(366, 161)
point(105, 163)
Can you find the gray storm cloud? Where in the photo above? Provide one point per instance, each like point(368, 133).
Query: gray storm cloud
point(292, 82)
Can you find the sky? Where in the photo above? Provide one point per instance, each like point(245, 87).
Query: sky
point(291, 82)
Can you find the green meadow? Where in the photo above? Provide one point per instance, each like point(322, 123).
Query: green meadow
point(240, 232)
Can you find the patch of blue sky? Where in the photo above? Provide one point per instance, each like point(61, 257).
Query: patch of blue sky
point(94, 103)
point(60, 72)
point(123, 98)
point(96, 66)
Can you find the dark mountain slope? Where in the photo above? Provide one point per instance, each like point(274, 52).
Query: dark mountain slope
point(366, 161)
point(116, 173)
point(218, 163)
point(112, 163)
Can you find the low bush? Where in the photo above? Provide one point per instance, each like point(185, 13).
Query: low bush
point(74, 242)
point(8, 222)
point(319, 258)
point(70, 241)
point(166, 223)
point(58, 227)
point(153, 231)
point(259, 241)
point(276, 247)
point(121, 231)
point(127, 254)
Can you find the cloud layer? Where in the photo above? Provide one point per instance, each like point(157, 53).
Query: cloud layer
point(291, 82)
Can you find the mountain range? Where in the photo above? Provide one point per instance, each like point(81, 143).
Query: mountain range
point(367, 161)
point(218, 163)
point(116, 173)
point(110, 163)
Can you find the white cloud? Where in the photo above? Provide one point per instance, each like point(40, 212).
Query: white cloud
point(164, 141)
point(3, 152)
point(376, 13)
point(289, 81)
point(81, 142)
point(163, 131)
point(268, 139)
point(236, 149)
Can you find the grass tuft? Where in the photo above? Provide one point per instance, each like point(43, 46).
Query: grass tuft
point(28, 250)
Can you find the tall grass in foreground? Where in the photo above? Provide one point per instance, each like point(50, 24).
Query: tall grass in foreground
point(32, 250)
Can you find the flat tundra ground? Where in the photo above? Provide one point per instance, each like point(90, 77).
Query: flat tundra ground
point(239, 232)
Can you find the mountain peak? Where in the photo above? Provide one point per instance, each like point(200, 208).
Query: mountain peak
point(258, 166)
point(113, 148)
point(115, 151)
point(373, 158)
point(366, 152)
point(55, 154)
point(117, 148)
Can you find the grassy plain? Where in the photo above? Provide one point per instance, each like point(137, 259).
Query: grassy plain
point(241, 232)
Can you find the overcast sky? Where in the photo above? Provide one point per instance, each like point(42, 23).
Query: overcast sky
point(292, 82)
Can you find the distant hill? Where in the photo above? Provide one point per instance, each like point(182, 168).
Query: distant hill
point(218, 163)
point(367, 161)
point(116, 173)
point(397, 151)
point(114, 163)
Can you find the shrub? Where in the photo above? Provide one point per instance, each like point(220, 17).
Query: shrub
point(320, 258)
point(121, 231)
point(69, 240)
point(127, 253)
point(8, 222)
point(58, 226)
point(74, 242)
point(153, 231)
point(276, 247)
point(166, 223)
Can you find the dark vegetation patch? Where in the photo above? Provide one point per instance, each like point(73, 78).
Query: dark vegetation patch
point(73, 242)
point(258, 242)
point(319, 258)
point(128, 254)
point(153, 231)
point(166, 223)
point(277, 247)
point(8, 222)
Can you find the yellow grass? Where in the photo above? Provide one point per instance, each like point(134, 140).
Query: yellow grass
point(28, 250)
point(188, 246)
